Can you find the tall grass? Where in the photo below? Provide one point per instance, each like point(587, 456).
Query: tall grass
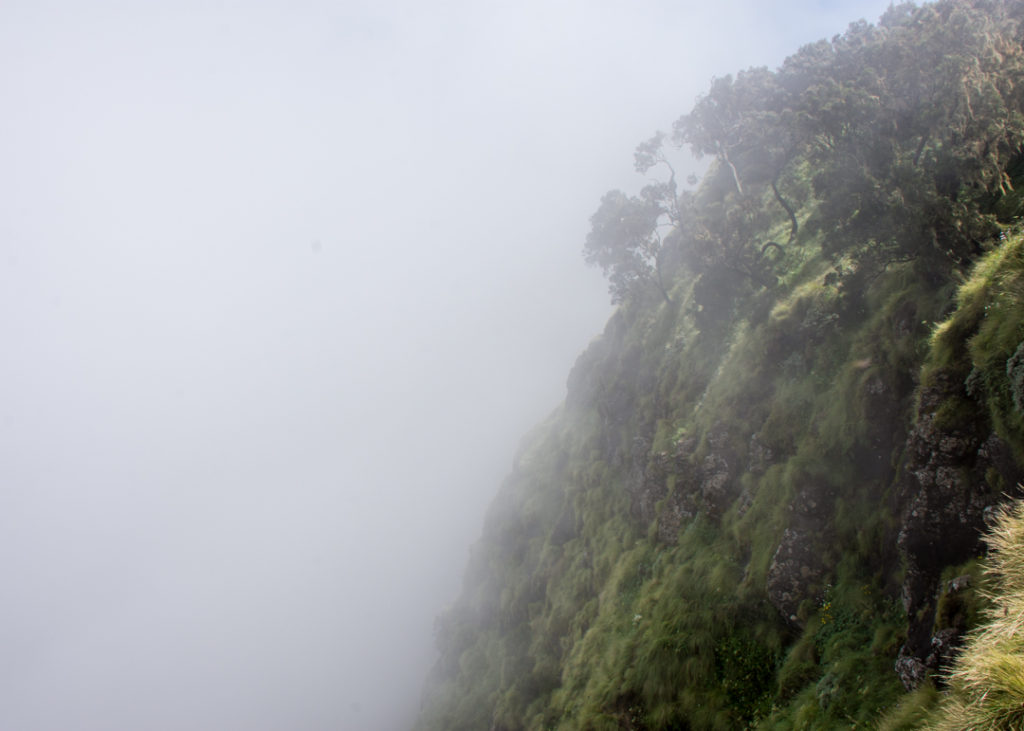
point(986, 684)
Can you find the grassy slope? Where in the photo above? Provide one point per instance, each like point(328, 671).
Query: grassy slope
point(987, 682)
point(623, 577)
point(576, 615)
point(979, 342)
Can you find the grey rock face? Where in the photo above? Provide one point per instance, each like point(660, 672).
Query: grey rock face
point(795, 570)
point(911, 671)
point(759, 455)
point(945, 498)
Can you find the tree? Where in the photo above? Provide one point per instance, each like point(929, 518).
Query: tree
point(735, 122)
point(625, 241)
point(912, 125)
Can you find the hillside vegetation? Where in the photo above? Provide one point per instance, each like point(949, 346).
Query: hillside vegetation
point(762, 502)
point(987, 682)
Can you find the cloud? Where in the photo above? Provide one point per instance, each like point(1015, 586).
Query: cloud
point(280, 288)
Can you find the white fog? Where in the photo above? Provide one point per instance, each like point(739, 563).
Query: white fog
point(281, 286)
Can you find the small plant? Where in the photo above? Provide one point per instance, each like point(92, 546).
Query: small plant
point(825, 609)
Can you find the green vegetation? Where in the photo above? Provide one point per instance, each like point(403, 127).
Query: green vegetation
point(766, 486)
point(987, 681)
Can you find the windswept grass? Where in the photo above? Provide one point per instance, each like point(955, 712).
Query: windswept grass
point(986, 684)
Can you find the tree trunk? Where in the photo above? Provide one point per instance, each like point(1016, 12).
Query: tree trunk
point(794, 226)
point(723, 155)
point(657, 277)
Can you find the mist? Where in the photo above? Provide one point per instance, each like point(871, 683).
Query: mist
point(281, 286)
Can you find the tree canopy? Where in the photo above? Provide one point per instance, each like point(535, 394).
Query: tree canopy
point(901, 138)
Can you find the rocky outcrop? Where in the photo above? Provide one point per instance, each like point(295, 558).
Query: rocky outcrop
point(759, 455)
point(943, 644)
point(795, 570)
point(800, 564)
point(945, 492)
point(671, 488)
point(718, 472)
point(664, 488)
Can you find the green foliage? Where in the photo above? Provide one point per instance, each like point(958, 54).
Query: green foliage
point(622, 579)
point(911, 711)
point(745, 672)
point(625, 241)
point(986, 685)
point(979, 343)
point(838, 673)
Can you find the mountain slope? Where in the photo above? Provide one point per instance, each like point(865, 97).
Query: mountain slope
point(770, 468)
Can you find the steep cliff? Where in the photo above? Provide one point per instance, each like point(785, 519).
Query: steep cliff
point(762, 501)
